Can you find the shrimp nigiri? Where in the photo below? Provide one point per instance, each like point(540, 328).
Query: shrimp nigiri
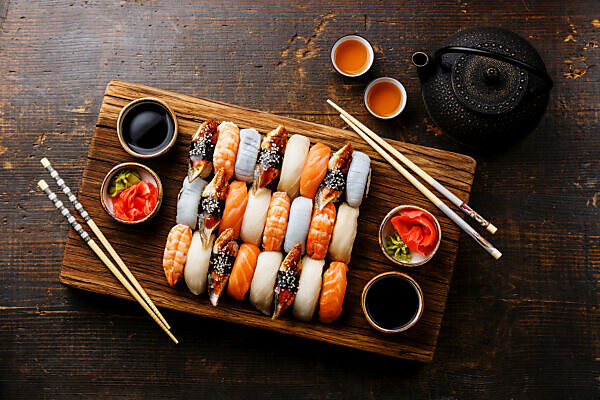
point(235, 206)
point(314, 170)
point(221, 262)
point(288, 276)
point(201, 150)
point(277, 221)
point(212, 204)
point(334, 183)
point(176, 250)
point(319, 233)
point(226, 148)
point(243, 271)
point(270, 157)
point(332, 295)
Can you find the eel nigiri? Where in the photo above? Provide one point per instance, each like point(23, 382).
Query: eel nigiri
point(221, 262)
point(247, 154)
point(188, 201)
point(293, 162)
point(319, 233)
point(243, 271)
point(298, 224)
point(263, 281)
point(344, 233)
point(226, 148)
point(359, 177)
point(235, 206)
point(212, 204)
point(202, 148)
point(277, 220)
point(332, 295)
point(255, 216)
point(176, 250)
point(334, 183)
point(195, 272)
point(309, 288)
point(314, 170)
point(270, 157)
point(288, 276)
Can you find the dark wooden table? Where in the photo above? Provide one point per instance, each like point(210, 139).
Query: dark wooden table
point(524, 327)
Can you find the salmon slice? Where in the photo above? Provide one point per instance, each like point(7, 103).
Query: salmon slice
point(226, 148)
point(332, 295)
point(314, 170)
point(243, 271)
point(277, 220)
point(235, 206)
point(176, 249)
point(319, 233)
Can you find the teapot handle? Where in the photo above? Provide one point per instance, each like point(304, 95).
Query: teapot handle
point(486, 53)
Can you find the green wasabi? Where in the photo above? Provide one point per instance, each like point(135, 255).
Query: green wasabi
point(396, 247)
point(122, 181)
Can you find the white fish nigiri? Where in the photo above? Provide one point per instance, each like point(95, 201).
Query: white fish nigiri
point(344, 232)
point(358, 179)
point(247, 155)
point(263, 281)
point(255, 216)
point(309, 288)
point(188, 200)
point(195, 272)
point(298, 223)
point(293, 162)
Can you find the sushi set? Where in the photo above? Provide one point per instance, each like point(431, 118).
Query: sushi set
point(268, 222)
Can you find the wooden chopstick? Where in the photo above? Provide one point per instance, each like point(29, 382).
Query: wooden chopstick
point(464, 207)
point(432, 197)
point(96, 249)
point(90, 222)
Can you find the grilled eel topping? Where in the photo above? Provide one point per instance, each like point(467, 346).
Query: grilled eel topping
point(212, 204)
point(288, 276)
point(270, 158)
point(334, 183)
point(221, 263)
point(201, 150)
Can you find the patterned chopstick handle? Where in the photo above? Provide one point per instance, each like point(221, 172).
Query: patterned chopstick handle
point(64, 211)
point(66, 189)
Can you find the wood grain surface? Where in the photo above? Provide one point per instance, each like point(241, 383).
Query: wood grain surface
point(141, 247)
point(526, 327)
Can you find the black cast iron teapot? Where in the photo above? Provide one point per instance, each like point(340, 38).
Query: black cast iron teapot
point(484, 87)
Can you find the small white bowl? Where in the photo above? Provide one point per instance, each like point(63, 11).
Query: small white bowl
point(402, 93)
point(370, 54)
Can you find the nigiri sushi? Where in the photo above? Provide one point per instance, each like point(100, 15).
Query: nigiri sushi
point(358, 179)
point(293, 162)
point(263, 281)
point(277, 221)
point(344, 232)
point(195, 272)
point(319, 233)
point(334, 183)
point(212, 204)
point(235, 205)
point(188, 201)
point(176, 250)
point(332, 295)
point(270, 157)
point(309, 288)
point(288, 276)
point(221, 262)
point(247, 155)
point(314, 170)
point(202, 147)
point(298, 223)
point(255, 216)
point(226, 148)
point(243, 271)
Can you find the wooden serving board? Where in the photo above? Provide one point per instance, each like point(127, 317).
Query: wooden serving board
point(141, 247)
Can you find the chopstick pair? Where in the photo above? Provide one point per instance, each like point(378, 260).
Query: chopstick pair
point(373, 139)
point(132, 286)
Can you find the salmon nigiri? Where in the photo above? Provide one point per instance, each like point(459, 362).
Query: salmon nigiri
point(226, 148)
point(319, 233)
point(235, 206)
point(334, 289)
point(176, 250)
point(286, 286)
point(243, 271)
point(314, 170)
point(277, 221)
point(221, 263)
point(334, 183)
